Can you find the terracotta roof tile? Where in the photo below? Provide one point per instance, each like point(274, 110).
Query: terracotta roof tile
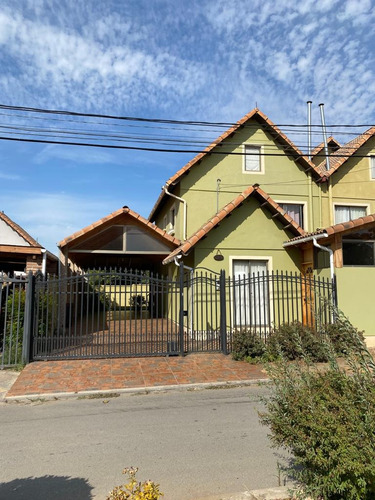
point(255, 190)
point(336, 228)
point(331, 141)
point(270, 128)
point(113, 215)
point(19, 230)
point(343, 154)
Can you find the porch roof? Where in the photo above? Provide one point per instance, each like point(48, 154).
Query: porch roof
point(339, 228)
point(168, 239)
point(254, 190)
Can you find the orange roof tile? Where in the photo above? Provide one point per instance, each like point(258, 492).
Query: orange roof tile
point(107, 218)
point(19, 230)
point(254, 190)
point(339, 157)
point(271, 128)
point(331, 141)
point(336, 228)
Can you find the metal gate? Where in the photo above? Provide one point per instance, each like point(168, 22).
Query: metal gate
point(112, 313)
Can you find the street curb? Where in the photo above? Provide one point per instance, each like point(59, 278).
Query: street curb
point(276, 493)
point(133, 390)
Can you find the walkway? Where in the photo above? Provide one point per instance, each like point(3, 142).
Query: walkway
point(74, 376)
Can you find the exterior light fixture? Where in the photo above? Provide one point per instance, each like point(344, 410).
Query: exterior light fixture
point(218, 256)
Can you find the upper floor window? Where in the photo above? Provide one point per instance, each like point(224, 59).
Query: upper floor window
point(343, 213)
point(372, 167)
point(252, 161)
point(295, 211)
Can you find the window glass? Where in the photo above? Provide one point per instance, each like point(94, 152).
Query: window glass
point(250, 293)
point(295, 211)
point(343, 213)
point(358, 253)
point(252, 159)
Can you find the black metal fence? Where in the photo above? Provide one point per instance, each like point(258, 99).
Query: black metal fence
point(128, 313)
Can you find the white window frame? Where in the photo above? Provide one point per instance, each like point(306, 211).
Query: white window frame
point(343, 204)
point(269, 261)
point(261, 159)
point(304, 210)
point(371, 159)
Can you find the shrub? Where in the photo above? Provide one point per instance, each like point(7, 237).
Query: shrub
point(135, 490)
point(343, 335)
point(327, 421)
point(15, 307)
point(247, 344)
point(296, 340)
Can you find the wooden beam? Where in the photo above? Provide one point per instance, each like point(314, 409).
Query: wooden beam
point(19, 249)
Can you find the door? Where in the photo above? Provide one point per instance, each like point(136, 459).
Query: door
point(251, 293)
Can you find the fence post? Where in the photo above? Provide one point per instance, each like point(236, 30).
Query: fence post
point(181, 312)
point(27, 343)
point(223, 313)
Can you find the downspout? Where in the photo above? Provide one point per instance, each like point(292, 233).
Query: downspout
point(185, 209)
point(44, 261)
point(332, 269)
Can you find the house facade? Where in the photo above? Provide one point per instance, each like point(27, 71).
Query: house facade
point(236, 204)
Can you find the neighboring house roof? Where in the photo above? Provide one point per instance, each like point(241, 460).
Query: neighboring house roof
point(331, 142)
point(20, 231)
point(343, 154)
point(125, 210)
point(254, 190)
point(335, 229)
point(271, 128)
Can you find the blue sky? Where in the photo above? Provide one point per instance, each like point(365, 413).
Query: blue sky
point(179, 59)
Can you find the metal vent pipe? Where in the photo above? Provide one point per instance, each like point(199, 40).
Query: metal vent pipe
point(321, 106)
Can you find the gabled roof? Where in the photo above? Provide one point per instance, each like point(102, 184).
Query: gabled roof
point(331, 142)
point(335, 229)
point(271, 129)
point(125, 210)
point(342, 155)
point(254, 190)
point(20, 231)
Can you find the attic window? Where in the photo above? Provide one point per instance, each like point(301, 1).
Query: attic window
point(372, 167)
point(252, 159)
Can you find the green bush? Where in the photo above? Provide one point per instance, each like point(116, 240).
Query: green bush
point(344, 336)
point(15, 307)
point(247, 344)
point(326, 419)
point(295, 340)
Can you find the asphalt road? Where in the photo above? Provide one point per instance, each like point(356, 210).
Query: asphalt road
point(194, 443)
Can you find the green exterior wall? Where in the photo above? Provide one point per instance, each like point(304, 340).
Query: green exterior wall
point(356, 296)
point(250, 232)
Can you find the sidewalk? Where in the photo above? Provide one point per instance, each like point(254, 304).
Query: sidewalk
point(75, 377)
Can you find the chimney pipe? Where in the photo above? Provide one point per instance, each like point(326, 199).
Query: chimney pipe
point(321, 106)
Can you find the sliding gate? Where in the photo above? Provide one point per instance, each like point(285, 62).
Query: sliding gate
point(130, 313)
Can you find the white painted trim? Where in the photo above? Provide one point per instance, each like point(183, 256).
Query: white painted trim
point(370, 156)
point(304, 209)
point(261, 159)
point(345, 204)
